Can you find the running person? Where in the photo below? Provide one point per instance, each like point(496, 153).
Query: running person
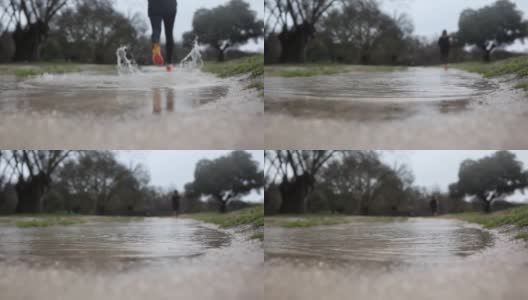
point(445, 45)
point(162, 11)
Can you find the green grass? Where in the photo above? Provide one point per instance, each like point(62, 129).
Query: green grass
point(60, 219)
point(322, 219)
point(311, 222)
point(307, 70)
point(522, 236)
point(259, 85)
point(253, 65)
point(49, 221)
point(522, 85)
point(258, 236)
point(516, 217)
point(36, 69)
point(249, 216)
point(517, 66)
point(320, 69)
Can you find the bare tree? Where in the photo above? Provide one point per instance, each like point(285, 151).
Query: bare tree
point(297, 20)
point(297, 170)
point(34, 169)
point(31, 19)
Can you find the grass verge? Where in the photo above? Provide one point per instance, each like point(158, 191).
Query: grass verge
point(37, 69)
point(253, 66)
point(60, 219)
point(513, 217)
point(48, 222)
point(308, 70)
point(312, 220)
point(517, 66)
point(249, 216)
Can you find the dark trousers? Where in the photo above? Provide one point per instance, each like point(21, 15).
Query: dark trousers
point(168, 20)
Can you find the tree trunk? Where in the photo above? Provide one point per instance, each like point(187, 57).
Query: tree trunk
point(294, 193)
point(30, 194)
point(293, 43)
point(28, 41)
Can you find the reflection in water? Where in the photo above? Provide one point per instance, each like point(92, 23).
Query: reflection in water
point(156, 101)
point(111, 245)
point(412, 260)
point(373, 96)
point(97, 110)
point(411, 85)
point(157, 258)
point(184, 101)
point(417, 241)
point(111, 95)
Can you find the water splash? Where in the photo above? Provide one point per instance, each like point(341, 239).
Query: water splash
point(124, 64)
point(194, 59)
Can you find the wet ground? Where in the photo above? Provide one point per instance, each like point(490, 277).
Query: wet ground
point(414, 259)
point(157, 258)
point(411, 108)
point(153, 109)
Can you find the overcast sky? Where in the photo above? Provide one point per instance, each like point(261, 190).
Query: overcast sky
point(436, 168)
point(173, 169)
point(186, 9)
point(430, 17)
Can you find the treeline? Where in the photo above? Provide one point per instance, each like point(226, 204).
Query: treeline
point(360, 183)
point(90, 31)
point(359, 32)
point(97, 183)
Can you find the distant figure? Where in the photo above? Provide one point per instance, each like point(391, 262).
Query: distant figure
point(434, 206)
point(162, 11)
point(176, 201)
point(445, 45)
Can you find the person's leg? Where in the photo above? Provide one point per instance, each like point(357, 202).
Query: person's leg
point(155, 21)
point(169, 27)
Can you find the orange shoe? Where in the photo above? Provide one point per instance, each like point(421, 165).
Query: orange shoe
point(157, 58)
point(169, 68)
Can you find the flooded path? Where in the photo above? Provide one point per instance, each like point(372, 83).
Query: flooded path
point(157, 258)
point(412, 108)
point(153, 109)
point(415, 259)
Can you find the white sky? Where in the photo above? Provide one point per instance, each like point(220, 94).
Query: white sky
point(173, 169)
point(186, 9)
point(438, 168)
point(430, 17)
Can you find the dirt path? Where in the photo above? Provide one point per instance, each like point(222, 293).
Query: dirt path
point(418, 108)
point(155, 110)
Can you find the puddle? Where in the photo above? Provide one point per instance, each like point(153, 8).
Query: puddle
point(157, 258)
point(153, 109)
point(104, 244)
point(416, 259)
point(130, 95)
point(416, 241)
point(425, 108)
point(410, 85)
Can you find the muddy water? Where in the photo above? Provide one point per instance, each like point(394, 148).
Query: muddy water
point(415, 259)
point(153, 109)
point(154, 258)
point(413, 84)
point(418, 107)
